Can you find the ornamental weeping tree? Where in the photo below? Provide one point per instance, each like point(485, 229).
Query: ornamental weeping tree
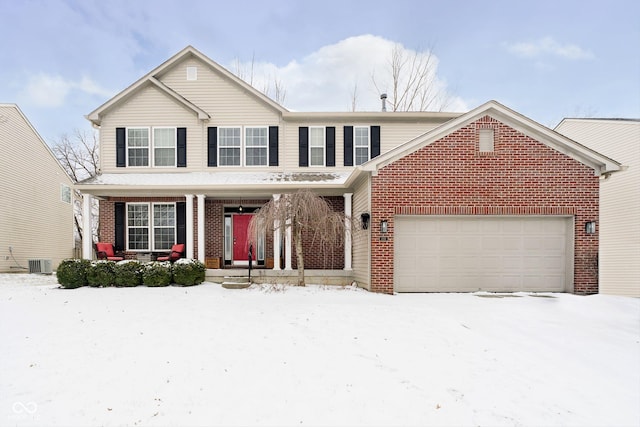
point(308, 215)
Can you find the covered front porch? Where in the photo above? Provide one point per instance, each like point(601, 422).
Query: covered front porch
point(214, 226)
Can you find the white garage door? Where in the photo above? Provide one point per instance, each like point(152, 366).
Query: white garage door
point(489, 253)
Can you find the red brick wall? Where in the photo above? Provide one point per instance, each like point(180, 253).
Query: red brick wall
point(521, 177)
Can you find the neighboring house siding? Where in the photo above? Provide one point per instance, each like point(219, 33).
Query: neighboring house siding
point(151, 108)
point(619, 224)
point(449, 177)
point(34, 221)
point(361, 253)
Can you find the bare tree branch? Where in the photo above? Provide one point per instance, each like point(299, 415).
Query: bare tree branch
point(411, 82)
point(308, 215)
point(79, 156)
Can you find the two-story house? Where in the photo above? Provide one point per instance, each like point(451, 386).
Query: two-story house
point(487, 199)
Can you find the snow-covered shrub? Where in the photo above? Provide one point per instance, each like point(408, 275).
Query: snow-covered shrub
point(72, 273)
point(157, 273)
point(101, 273)
point(128, 273)
point(188, 272)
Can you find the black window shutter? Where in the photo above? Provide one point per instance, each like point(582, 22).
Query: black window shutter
point(331, 146)
point(273, 145)
point(182, 148)
point(181, 222)
point(375, 141)
point(348, 145)
point(120, 215)
point(212, 146)
point(303, 146)
point(121, 150)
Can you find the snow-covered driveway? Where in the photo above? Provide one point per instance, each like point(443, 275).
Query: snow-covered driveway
point(313, 356)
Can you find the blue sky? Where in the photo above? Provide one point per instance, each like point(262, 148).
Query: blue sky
point(545, 59)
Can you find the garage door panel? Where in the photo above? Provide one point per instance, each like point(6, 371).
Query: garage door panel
point(471, 253)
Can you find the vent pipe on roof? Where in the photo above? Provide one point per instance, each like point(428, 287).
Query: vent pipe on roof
point(383, 97)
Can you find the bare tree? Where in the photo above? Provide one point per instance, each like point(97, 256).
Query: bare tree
point(410, 82)
point(79, 156)
point(308, 215)
point(272, 87)
point(354, 97)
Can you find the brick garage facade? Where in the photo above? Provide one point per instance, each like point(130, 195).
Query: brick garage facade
point(451, 176)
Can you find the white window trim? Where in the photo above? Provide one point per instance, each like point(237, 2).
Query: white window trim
point(175, 146)
point(151, 147)
point(324, 146)
point(243, 146)
point(127, 146)
point(243, 159)
point(355, 163)
point(150, 227)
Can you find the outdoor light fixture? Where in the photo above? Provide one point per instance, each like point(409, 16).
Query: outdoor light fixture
point(240, 209)
point(384, 226)
point(590, 227)
point(364, 218)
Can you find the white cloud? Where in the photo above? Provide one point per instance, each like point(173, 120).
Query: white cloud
point(548, 46)
point(44, 90)
point(325, 80)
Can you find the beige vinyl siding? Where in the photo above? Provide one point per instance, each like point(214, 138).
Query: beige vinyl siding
point(151, 107)
point(392, 134)
point(33, 219)
point(361, 253)
point(226, 102)
point(619, 223)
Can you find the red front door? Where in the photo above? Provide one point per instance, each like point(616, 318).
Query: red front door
point(240, 235)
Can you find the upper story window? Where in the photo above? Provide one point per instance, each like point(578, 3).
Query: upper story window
point(138, 146)
point(361, 144)
point(164, 146)
point(254, 145)
point(65, 193)
point(155, 146)
point(229, 146)
point(316, 146)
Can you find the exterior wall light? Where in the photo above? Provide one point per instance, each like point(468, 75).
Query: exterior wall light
point(590, 227)
point(384, 226)
point(364, 218)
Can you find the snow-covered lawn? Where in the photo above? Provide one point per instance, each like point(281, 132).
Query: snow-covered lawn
point(313, 356)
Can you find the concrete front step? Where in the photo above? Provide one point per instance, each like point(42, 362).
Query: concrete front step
point(236, 282)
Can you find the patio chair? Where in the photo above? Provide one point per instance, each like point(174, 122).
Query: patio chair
point(105, 251)
point(176, 253)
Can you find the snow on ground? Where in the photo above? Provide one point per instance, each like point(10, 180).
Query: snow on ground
point(275, 355)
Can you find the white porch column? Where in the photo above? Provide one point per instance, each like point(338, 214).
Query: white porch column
point(87, 230)
point(201, 227)
point(277, 239)
point(189, 226)
point(287, 247)
point(347, 230)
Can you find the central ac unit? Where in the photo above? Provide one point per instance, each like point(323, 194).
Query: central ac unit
point(41, 266)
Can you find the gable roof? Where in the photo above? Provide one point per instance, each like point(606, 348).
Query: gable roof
point(151, 78)
point(601, 164)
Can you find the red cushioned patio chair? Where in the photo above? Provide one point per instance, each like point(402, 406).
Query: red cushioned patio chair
point(105, 251)
point(176, 253)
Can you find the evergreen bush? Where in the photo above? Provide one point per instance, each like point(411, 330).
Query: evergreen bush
point(128, 273)
point(157, 273)
point(188, 272)
point(72, 273)
point(101, 274)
